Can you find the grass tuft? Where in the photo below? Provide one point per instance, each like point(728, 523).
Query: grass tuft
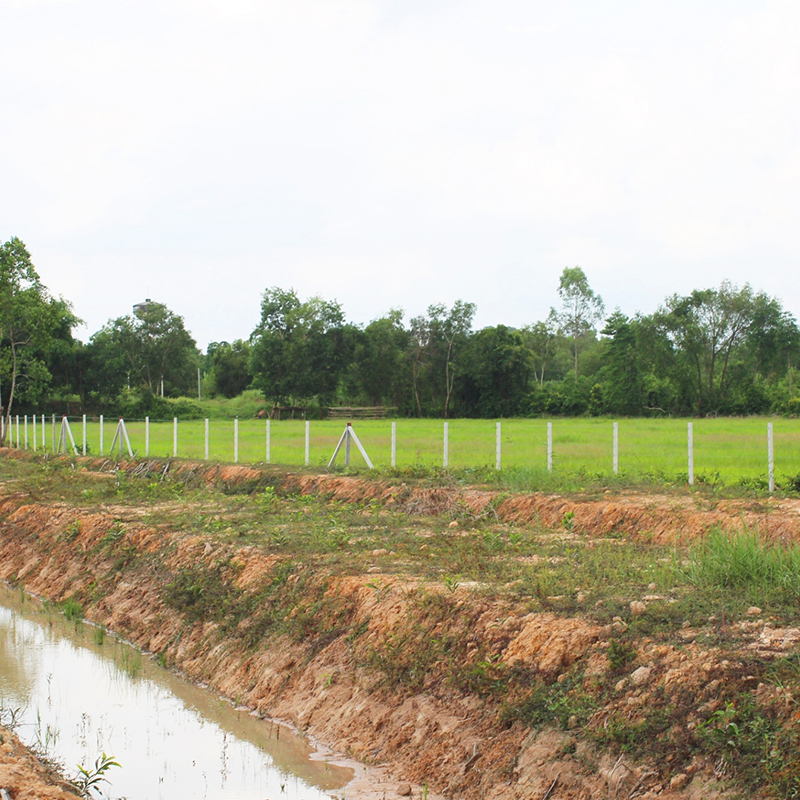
point(760, 569)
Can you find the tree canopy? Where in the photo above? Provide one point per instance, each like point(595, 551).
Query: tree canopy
point(33, 326)
point(718, 350)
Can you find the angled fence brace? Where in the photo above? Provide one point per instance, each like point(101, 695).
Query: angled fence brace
point(65, 432)
point(121, 433)
point(349, 436)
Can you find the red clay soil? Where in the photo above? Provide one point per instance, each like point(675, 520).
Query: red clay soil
point(25, 778)
point(657, 518)
point(447, 738)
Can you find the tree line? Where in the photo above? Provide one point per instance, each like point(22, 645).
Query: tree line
point(717, 351)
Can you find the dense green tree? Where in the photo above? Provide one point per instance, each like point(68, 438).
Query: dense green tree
point(299, 349)
point(142, 350)
point(624, 391)
point(712, 336)
point(540, 339)
point(494, 374)
point(30, 323)
point(228, 367)
point(436, 343)
point(381, 362)
point(581, 309)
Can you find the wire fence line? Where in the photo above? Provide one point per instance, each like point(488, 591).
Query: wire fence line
point(735, 448)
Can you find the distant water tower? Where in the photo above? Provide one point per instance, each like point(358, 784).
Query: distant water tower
point(142, 308)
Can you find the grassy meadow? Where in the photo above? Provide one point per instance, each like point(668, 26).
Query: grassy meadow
point(727, 449)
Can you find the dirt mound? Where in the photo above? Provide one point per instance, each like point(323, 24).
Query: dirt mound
point(651, 517)
point(24, 777)
point(434, 733)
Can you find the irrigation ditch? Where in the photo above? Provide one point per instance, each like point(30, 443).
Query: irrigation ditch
point(458, 642)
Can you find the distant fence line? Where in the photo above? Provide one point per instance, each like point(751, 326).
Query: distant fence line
point(31, 432)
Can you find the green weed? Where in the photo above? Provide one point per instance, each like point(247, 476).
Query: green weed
point(745, 562)
point(72, 610)
point(88, 779)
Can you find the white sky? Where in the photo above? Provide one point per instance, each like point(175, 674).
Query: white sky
point(394, 153)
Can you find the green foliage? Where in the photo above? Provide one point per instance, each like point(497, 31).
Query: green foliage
point(581, 309)
point(203, 593)
point(72, 610)
point(759, 569)
point(436, 343)
point(142, 350)
point(541, 703)
point(620, 654)
point(228, 367)
point(299, 349)
point(755, 746)
point(88, 779)
point(34, 328)
point(494, 373)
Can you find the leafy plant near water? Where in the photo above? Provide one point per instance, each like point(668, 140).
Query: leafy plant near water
point(9, 716)
point(88, 779)
point(72, 610)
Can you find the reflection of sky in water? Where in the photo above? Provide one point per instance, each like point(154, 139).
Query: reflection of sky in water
point(172, 739)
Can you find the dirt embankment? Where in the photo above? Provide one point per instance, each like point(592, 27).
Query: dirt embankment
point(657, 518)
point(332, 684)
point(23, 776)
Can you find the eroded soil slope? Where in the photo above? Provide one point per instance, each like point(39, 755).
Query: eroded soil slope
point(485, 645)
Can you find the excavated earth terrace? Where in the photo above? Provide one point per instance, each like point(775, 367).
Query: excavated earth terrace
point(432, 739)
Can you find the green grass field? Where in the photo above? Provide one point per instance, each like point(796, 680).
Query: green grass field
point(729, 449)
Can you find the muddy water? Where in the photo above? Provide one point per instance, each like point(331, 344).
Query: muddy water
point(81, 693)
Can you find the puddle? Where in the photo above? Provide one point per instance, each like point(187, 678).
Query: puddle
point(81, 693)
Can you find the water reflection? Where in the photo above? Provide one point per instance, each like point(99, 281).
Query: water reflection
point(80, 697)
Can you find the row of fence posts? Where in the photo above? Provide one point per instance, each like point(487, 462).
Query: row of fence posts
point(121, 437)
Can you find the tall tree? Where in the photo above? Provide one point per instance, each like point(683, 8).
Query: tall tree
point(229, 367)
point(494, 374)
point(540, 339)
point(709, 330)
point(29, 318)
point(381, 360)
point(299, 349)
point(581, 308)
point(624, 391)
point(142, 350)
point(437, 340)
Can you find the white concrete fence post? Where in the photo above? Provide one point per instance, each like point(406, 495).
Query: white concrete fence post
point(615, 458)
point(236, 440)
point(770, 458)
point(83, 444)
point(269, 442)
point(34, 432)
point(174, 437)
point(26, 431)
point(690, 444)
point(206, 438)
point(497, 448)
point(101, 434)
point(147, 437)
point(549, 446)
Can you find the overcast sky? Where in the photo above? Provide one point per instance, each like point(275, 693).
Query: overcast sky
point(398, 153)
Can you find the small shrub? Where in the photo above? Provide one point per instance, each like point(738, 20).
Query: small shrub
point(619, 654)
point(72, 610)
